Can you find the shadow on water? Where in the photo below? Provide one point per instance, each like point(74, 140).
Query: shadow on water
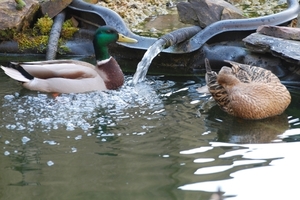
point(158, 139)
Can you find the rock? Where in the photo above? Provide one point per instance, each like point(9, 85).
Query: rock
point(11, 18)
point(285, 49)
point(205, 12)
point(53, 7)
point(284, 32)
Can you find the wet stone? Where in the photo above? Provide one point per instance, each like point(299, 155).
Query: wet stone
point(53, 7)
point(14, 18)
point(282, 48)
point(284, 32)
point(205, 12)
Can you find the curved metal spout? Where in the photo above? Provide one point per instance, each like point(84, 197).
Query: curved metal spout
point(196, 42)
point(111, 18)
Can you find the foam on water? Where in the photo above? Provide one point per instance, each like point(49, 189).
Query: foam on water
point(80, 111)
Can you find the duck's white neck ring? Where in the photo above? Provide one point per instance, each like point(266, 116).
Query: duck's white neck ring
point(102, 62)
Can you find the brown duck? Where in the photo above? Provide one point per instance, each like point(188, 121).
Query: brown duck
point(246, 91)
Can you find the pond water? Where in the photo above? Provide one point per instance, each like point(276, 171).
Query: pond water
point(157, 140)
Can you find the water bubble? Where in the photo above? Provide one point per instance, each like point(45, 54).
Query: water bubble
point(107, 135)
point(141, 133)
point(78, 137)
point(10, 126)
point(6, 153)
point(73, 150)
point(20, 127)
point(50, 142)
point(50, 163)
point(25, 139)
point(20, 111)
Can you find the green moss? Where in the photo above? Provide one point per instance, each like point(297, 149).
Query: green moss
point(63, 49)
point(29, 42)
point(43, 25)
point(68, 29)
point(37, 38)
point(7, 34)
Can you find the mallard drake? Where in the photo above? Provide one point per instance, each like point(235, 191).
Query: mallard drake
point(246, 91)
point(73, 76)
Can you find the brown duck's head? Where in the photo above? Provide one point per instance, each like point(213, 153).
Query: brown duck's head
point(226, 78)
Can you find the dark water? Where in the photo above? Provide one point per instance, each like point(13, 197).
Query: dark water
point(157, 140)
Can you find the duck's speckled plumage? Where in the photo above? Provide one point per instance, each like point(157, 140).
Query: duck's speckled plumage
point(246, 91)
point(72, 76)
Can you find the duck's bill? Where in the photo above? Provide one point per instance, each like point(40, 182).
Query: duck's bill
point(123, 38)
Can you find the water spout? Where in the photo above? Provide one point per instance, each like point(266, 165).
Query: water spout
point(143, 66)
point(165, 41)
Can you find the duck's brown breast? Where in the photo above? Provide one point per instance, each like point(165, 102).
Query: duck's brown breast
point(111, 74)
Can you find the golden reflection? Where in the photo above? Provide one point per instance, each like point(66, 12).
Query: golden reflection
point(235, 130)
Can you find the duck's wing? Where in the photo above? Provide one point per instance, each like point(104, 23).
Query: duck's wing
point(217, 91)
point(26, 71)
point(248, 73)
point(60, 69)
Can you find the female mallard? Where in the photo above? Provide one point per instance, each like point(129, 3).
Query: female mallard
point(71, 76)
point(247, 92)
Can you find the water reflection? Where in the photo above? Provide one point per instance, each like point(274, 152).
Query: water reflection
point(233, 130)
point(268, 170)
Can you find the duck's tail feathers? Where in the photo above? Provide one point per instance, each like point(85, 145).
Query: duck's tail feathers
point(17, 72)
point(207, 65)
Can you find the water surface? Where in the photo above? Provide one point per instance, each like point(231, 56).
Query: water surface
point(156, 140)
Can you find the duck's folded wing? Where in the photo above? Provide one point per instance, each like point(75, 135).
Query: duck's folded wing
point(55, 69)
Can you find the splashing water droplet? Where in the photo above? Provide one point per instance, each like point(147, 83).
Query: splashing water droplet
point(73, 150)
point(50, 163)
point(78, 137)
point(50, 142)
point(25, 139)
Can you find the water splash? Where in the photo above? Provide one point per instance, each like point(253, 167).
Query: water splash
point(144, 64)
point(86, 111)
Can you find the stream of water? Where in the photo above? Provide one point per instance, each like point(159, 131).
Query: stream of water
point(143, 65)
